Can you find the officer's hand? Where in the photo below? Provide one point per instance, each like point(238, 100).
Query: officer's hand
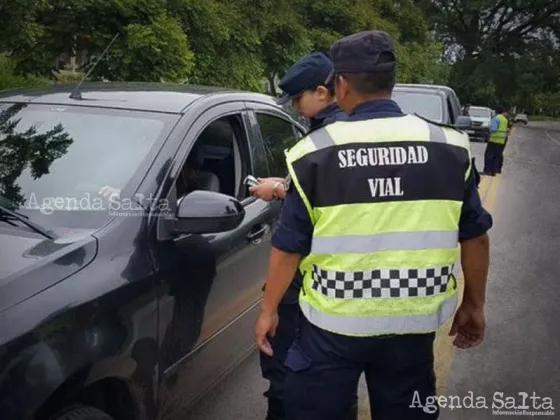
point(266, 326)
point(469, 325)
point(265, 190)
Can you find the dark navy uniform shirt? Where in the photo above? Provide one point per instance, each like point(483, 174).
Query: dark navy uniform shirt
point(328, 115)
point(294, 230)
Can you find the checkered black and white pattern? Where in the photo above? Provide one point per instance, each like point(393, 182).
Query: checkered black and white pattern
point(383, 283)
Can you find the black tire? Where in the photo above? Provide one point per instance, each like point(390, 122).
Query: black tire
point(82, 412)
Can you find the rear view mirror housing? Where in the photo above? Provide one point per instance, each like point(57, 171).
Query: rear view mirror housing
point(207, 212)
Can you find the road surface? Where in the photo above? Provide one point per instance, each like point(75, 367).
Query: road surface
point(522, 350)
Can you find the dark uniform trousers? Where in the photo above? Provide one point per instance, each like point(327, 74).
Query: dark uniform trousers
point(493, 158)
point(324, 370)
point(274, 368)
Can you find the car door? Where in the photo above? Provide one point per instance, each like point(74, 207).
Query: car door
point(212, 285)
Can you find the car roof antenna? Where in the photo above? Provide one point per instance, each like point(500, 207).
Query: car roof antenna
point(76, 94)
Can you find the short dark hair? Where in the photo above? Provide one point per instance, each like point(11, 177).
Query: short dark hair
point(330, 87)
point(499, 109)
point(371, 83)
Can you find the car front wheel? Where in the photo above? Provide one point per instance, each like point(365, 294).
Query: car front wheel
point(82, 412)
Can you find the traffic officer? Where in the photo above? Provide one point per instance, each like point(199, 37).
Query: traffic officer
point(493, 155)
point(304, 85)
point(373, 217)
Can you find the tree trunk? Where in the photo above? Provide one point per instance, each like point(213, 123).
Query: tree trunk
point(271, 85)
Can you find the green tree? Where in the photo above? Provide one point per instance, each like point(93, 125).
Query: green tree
point(158, 51)
point(151, 46)
point(233, 43)
point(225, 42)
point(284, 40)
point(487, 39)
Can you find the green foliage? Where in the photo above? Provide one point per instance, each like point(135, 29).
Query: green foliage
point(503, 52)
point(10, 80)
point(158, 51)
point(231, 43)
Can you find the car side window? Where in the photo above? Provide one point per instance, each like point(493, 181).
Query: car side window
point(218, 160)
point(278, 135)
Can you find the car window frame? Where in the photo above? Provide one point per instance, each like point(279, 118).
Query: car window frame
point(190, 132)
point(298, 130)
point(257, 142)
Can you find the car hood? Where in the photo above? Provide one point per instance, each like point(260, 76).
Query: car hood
point(30, 263)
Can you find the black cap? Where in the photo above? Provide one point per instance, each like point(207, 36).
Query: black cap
point(360, 52)
point(308, 73)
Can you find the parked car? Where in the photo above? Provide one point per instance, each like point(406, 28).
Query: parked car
point(130, 305)
point(481, 118)
point(521, 118)
point(436, 103)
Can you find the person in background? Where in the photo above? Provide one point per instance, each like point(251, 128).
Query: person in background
point(494, 153)
point(304, 85)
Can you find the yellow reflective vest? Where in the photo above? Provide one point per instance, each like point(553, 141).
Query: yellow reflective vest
point(499, 136)
point(385, 198)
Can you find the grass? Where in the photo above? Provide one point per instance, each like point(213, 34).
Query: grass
point(543, 118)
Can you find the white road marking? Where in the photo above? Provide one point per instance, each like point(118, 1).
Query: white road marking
point(552, 138)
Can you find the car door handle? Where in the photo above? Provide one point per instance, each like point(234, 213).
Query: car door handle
point(256, 236)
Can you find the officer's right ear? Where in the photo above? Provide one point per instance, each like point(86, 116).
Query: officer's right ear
point(323, 93)
point(342, 87)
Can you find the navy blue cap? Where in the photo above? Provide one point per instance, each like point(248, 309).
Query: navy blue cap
point(360, 52)
point(308, 73)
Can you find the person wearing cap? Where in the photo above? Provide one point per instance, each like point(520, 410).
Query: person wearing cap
point(304, 85)
point(494, 153)
point(376, 211)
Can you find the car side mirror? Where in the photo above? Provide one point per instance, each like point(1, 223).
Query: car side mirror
point(463, 122)
point(207, 212)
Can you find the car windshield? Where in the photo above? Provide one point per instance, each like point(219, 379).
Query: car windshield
point(480, 112)
point(425, 104)
point(56, 161)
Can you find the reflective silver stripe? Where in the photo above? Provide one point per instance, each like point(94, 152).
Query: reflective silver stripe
point(381, 283)
point(364, 325)
point(402, 241)
point(321, 139)
point(436, 134)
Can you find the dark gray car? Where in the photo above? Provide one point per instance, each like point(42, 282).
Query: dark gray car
point(132, 255)
point(436, 103)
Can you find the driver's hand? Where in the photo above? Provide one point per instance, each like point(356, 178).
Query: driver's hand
point(109, 192)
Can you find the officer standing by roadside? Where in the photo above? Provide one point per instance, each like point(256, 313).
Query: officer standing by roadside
point(494, 153)
point(304, 85)
point(382, 201)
